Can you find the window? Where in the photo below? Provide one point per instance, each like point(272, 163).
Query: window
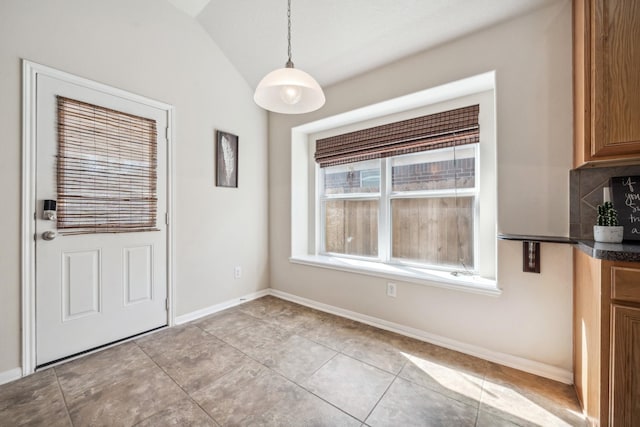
point(403, 192)
point(350, 206)
point(355, 200)
point(408, 209)
point(433, 199)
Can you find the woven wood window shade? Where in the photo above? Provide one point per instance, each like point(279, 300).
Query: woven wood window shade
point(107, 170)
point(446, 129)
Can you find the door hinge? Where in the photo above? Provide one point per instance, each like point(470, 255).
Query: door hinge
point(166, 304)
point(166, 133)
point(166, 218)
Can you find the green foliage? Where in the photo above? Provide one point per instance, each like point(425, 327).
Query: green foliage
point(607, 215)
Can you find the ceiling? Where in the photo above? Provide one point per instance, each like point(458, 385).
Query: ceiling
point(337, 39)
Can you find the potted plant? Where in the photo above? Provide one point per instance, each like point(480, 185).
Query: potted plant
point(607, 229)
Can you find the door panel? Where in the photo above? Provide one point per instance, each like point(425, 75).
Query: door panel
point(80, 284)
point(93, 289)
point(138, 269)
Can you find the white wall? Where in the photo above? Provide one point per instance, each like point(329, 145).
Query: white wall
point(150, 48)
point(532, 317)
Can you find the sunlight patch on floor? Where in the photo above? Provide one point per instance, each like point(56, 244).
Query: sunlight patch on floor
point(501, 400)
point(461, 383)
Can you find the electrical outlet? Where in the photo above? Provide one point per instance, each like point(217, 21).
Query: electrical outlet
point(391, 289)
point(237, 272)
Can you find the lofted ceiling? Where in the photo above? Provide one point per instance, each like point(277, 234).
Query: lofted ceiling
point(337, 39)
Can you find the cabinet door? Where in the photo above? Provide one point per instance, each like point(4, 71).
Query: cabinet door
point(615, 84)
point(625, 366)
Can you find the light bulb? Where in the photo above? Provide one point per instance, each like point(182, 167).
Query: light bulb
point(290, 94)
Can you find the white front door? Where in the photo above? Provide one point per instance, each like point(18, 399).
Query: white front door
point(93, 289)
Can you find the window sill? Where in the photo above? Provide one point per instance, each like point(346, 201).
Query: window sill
point(422, 276)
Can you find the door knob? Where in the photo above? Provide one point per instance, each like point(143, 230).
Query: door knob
point(49, 235)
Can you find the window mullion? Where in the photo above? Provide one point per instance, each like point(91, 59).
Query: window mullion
point(320, 245)
point(476, 211)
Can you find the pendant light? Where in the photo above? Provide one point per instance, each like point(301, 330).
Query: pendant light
point(289, 90)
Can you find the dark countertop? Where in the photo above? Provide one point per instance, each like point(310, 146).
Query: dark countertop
point(625, 251)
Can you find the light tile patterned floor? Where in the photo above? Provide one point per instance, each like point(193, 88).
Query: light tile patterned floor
point(270, 362)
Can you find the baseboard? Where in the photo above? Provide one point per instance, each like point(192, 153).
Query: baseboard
point(526, 365)
point(219, 307)
point(14, 374)
point(10, 375)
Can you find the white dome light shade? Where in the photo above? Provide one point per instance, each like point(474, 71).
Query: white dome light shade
point(289, 91)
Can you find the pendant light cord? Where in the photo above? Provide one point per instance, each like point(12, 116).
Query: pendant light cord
point(289, 62)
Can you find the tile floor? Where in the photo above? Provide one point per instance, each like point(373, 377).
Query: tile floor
point(272, 362)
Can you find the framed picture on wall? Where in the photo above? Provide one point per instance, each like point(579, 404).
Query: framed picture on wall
point(226, 159)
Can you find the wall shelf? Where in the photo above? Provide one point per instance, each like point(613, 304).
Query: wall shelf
point(531, 248)
point(531, 238)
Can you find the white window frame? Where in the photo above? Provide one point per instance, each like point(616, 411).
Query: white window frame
point(305, 232)
point(454, 192)
point(386, 195)
point(344, 196)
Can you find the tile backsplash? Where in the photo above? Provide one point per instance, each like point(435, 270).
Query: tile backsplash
point(586, 194)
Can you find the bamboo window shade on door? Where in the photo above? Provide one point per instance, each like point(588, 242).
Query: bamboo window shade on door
point(440, 130)
point(107, 170)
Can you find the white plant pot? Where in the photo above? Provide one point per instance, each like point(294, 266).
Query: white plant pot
point(607, 234)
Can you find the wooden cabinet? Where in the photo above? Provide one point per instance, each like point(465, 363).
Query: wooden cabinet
point(625, 364)
point(607, 340)
point(606, 79)
point(625, 346)
point(590, 338)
